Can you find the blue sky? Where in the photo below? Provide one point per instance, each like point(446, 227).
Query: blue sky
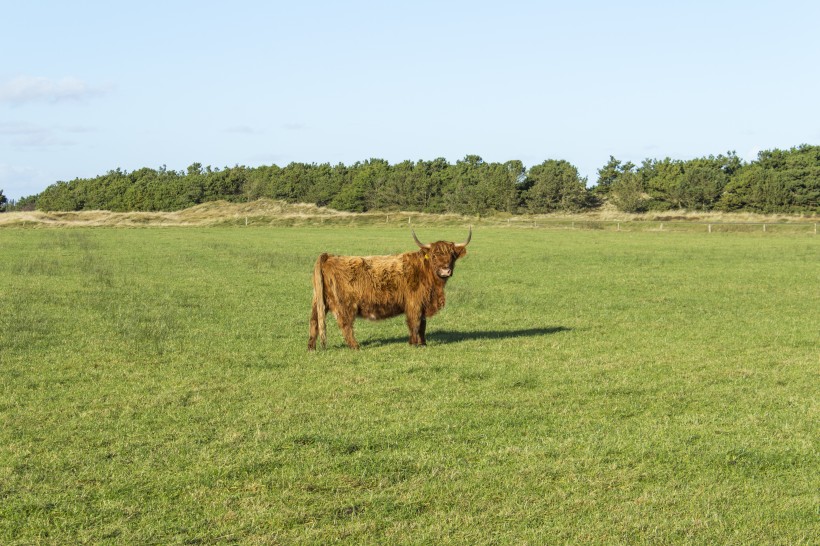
point(86, 87)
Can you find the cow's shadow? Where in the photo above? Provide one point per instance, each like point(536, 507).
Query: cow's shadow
point(452, 336)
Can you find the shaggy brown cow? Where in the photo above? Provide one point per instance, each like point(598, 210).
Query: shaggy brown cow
point(379, 287)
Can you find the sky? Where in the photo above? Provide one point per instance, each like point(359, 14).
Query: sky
point(91, 86)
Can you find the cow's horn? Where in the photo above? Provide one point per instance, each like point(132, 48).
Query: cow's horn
point(421, 245)
point(469, 236)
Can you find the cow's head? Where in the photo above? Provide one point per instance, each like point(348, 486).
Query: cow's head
point(443, 255)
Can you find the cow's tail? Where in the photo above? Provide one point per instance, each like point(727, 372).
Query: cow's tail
point(319, 309)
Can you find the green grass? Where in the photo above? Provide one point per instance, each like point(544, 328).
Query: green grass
point(579, 387)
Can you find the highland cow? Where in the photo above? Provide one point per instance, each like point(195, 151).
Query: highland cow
point(380, 287)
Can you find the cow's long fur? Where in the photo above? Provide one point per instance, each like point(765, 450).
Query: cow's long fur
point(319, 302)
point(379, 287)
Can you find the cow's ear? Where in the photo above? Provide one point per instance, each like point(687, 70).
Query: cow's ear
point(460, 251)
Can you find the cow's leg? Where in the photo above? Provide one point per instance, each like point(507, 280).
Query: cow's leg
point(345, 320)
point(314, 330)
point(416, 325)
point(422, 329)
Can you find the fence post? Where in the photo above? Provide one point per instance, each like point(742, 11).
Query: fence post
point(764, 228)
point(710, 228)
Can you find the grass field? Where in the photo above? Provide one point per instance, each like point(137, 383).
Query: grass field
point(579, 387)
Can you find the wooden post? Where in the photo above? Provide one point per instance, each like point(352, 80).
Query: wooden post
point(764, 228)
point(710, 228)
point(661, 226)
point(619, 226)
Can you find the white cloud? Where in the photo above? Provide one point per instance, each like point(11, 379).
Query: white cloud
point(294, 126)
point(23, 89)
point(8, 172)
point(29, 135)
point(17, 128)
point(78, 129)
point(242, 130)
point(45, 139)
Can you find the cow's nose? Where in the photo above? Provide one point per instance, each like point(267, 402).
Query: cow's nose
point(446, 272)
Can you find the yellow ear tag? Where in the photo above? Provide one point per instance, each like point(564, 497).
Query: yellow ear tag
point(426, 256)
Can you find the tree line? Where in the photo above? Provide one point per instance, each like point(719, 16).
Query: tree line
point(777, 181)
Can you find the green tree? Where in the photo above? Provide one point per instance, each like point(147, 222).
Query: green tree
point(424, 188)
point(627, 192)
point(352, 198)
point(226, 184)
point(503, 181)
point(696, 184)
point(3, 201)
point(737, 195)
point(555, 185)
point(437, 175)
point(291, 183)
point(25, 203)
point(778, 181)
point(700, 186)
point(609, 173)
point(395, 190)
point(660, 178)
point(261, 182)
point(322, 183)
point(797, 188)
point(58, 197)
point(465, 194)
point(356, 194)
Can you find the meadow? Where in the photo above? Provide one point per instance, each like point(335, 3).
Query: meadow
point(580, 386)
